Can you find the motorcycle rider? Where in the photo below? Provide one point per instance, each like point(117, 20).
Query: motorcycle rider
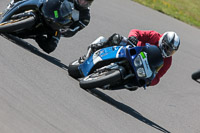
point(168, 43)
point(80, 19)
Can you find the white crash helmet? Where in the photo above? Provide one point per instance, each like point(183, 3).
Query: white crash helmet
point(169, 43)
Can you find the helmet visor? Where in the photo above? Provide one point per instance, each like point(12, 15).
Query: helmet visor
point(65, 13)
point(84, 3)
point(57, 14)
point(167, 49)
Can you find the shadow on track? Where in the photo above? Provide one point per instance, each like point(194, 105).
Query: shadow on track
point(197, 81)
point(94, 92)
point(34, 50)
point(125, 109)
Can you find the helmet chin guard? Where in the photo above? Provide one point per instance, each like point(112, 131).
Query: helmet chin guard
point(169, 43)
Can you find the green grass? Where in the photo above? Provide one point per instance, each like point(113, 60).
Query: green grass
point(187, 11)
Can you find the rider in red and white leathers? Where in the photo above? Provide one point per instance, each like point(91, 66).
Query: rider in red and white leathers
point(168, 43)
point(153, 38)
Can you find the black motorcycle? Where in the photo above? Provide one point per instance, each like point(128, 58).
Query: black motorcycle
point(27, 17)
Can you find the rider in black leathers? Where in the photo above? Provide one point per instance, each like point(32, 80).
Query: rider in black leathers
point(48, 42)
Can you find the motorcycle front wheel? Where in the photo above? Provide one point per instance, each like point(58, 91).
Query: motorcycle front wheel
point(17, 24)
point(73, 69)
point(100, 79)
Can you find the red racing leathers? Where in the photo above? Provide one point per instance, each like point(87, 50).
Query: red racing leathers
point(151, 37)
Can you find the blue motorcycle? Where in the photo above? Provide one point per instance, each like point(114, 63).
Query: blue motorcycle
point(118, 67)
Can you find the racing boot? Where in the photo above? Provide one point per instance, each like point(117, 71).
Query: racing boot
point(91, 49)
point(101, 42)
point(113, 40)
point(96, 45)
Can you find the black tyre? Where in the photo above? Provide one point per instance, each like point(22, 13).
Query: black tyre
point(196, 75)
point(17, 24)
point(73, 69)
point(100, 79)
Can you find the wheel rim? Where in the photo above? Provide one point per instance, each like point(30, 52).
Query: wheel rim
point(98, 75)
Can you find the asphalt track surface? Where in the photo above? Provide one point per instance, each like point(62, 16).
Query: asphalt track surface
point(38, 96)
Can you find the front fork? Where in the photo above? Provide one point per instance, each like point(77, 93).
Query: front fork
point(125, 76)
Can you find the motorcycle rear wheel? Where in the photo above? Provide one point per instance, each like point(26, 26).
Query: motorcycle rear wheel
point(17, 24)
point(100, 79)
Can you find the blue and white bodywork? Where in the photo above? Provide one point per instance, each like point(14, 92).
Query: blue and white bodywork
point(136, 56)
point(118, 65)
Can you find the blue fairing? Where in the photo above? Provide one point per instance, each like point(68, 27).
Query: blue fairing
point(108, 53)
point(86, 66)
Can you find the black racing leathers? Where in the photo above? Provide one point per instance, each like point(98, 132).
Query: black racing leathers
point(48, 39)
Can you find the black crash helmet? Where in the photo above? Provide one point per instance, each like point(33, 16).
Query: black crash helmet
point(57, 13)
